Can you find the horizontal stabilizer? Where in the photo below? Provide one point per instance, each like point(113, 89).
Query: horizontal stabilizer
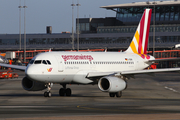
point(166, 59)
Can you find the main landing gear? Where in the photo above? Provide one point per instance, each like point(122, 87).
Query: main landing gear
point(117, 94)
point(64, 91)
point(48, 93)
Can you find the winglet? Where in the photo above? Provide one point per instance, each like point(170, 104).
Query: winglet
point(140, 40)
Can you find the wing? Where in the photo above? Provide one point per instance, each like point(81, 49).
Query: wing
point(23, 68)
point(130, 73)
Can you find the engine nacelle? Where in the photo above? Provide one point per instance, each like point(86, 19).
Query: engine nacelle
point(111, 84)
point(30, 85)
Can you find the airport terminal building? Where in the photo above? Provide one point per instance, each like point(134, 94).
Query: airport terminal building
point(113, 33)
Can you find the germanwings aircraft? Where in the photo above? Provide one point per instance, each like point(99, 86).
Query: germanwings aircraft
point(110, 70)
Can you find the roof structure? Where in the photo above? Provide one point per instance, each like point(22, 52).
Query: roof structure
point(143, 4)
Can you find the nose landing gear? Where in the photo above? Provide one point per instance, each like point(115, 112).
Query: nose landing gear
point(48, 93)
point(64, 91)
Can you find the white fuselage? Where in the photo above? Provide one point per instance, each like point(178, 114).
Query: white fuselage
point(73, 67)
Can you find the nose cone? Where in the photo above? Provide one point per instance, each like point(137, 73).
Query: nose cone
point(30, 72)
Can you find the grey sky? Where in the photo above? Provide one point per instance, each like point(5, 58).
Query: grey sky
point(55, 13)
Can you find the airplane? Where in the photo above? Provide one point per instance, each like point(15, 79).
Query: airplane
point(109, 70)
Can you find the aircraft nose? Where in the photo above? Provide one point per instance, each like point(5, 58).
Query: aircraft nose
point(30, 72)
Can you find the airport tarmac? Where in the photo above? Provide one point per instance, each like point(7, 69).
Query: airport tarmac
point(146, 97)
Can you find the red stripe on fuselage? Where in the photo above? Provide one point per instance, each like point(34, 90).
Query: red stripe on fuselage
point(141, 32)
point(147, 32)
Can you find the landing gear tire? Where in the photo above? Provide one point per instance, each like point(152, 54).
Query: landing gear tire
point(62, 92)
point(112, 94)
point(65, 92)
point(119, 94)
point(68, 92)
point(47, 94)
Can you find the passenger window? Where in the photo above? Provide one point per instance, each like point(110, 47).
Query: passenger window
point(44, 62)
point(37, 62)
point(31, 62)
point(48, 62)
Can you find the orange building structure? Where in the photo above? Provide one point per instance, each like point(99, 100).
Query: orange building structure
point(164, 54)
point(29, 54)
point(158, 55)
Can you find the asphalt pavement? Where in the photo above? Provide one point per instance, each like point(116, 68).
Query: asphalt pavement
point(146, 97)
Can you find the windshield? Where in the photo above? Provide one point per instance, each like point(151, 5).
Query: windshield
point(48, 62)
point(37, 62)
point(44, 62)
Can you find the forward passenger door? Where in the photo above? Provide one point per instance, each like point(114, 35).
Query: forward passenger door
point(60, 63)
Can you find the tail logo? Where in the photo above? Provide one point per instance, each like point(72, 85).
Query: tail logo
point(140, 40)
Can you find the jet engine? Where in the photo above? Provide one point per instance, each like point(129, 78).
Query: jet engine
point(30, 85)
point(111, 84)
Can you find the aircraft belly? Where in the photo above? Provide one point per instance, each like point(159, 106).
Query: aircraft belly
point(80, 77)
point(57, 78)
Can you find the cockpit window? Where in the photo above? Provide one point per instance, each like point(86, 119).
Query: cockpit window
point(48, 62)
point(44, 62)
point(37, 62)
point(31, 62)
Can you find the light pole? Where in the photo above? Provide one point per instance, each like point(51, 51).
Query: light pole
point(20, 24)
point(154, 29)
point(78, 25)
point(24, 31)
point(72, 25)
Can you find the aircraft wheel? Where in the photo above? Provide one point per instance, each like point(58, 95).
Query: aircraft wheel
point(49, 94)
point(119, 94)
point(112, 94)
point(68, 92)
point(45, 94)
point(62, 92)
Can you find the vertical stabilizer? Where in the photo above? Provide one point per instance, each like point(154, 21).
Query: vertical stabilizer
point(140, 40)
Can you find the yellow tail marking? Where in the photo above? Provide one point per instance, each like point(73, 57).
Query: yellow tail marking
point(142, 50)
point(133, 47)
point(137, 37)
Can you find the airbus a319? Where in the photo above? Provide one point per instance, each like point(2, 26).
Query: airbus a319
point(109, 70)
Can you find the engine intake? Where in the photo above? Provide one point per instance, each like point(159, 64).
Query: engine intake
point(111, 84)
point(30, 85)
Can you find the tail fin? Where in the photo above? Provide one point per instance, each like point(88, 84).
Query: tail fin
point(140, 40)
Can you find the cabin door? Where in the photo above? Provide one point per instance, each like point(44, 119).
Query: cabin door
point(60, 63)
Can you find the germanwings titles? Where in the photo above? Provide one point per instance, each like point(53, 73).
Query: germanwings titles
point(109, 70)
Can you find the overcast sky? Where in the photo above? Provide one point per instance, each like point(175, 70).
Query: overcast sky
point(55, 13)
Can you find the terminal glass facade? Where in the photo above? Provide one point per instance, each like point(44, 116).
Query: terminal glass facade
point(36, 41)
point(86, 42)
point(132, 29)
point(162, 13)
